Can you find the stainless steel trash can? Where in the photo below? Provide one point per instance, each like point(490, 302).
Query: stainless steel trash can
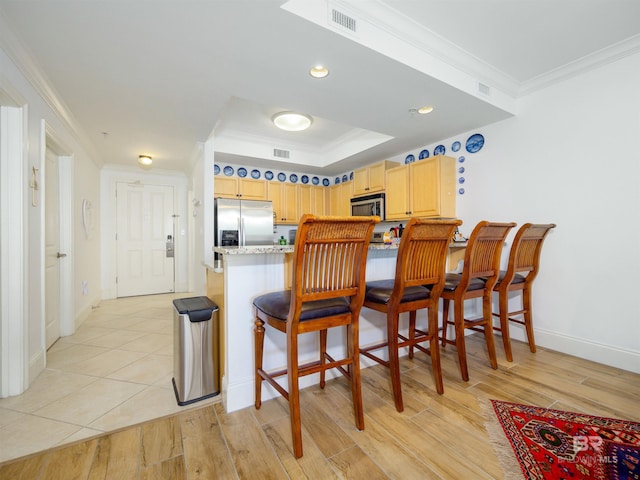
point(196, 366)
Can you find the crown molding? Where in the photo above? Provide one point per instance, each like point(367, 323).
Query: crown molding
point(618, 51)
point(24, 61)
point(442, 59)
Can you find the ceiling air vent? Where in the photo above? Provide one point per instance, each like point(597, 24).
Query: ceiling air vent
point(343, 20)
point(484, 89)
point(280, 153)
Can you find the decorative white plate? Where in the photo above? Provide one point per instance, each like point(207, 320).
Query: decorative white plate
point(255, 173)
point(242, 172)
point(268, 175)
point(228, 171)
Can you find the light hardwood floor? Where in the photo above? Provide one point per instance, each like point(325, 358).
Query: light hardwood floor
point(436, 437)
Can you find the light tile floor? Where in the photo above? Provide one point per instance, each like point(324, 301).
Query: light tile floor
point(115, 371)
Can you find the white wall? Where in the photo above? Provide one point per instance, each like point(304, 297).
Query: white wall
point(570, 157)
point(85, 254)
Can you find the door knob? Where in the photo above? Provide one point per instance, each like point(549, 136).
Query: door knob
point(60, 255)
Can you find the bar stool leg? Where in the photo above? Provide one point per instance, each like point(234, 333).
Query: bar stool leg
point(394, 360)
point(323, 353)
point(503, 300)
point(258, 333)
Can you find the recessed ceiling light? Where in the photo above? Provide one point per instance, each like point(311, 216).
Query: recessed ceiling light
point(319, 71)
point(145, 160)
point(291, 121)
point(425, 109)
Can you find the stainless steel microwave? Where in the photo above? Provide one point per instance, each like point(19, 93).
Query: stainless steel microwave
point(368, 205)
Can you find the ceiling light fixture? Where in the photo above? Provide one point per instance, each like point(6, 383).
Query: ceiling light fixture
point(145, 160)
point(291, 121)
point(319, 71)
point(425, 109)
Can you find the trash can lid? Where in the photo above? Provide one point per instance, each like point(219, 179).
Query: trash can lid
point(199, 309)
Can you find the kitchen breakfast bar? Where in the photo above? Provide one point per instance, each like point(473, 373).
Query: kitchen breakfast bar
point(247, 272)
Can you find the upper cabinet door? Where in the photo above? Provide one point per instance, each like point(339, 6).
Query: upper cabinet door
point(241, 188)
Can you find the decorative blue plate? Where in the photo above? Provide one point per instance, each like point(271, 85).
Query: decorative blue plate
point(345, 177)
point(325, 182)
point(228, 171)
point(474, 143)
point(461, 170)
point(304, 179)
point(351, 176)
point(268, 175)
point(337, 180)
point(242, 172)
point(461, 180)
point(216, 169)
point(293, 177)
point(461, 159)
point(455, 146)
point(409, 159)
point(282, 177)
point(439, 150)
point(315, 180)
point(461, 191)
point(424, 154)
point(255, 173)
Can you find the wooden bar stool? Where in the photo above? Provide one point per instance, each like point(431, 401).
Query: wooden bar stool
point(328, 288)
point(418, 282)
point(479, 275)
point(524, 262)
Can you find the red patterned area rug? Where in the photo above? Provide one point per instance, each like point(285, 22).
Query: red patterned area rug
point(540, 443)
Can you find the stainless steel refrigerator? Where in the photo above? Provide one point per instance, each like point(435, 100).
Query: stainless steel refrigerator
point(243, 222)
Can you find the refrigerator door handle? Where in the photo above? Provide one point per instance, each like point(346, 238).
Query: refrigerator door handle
point(242, 232)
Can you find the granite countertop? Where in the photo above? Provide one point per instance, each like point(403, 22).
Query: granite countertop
point(262, 249)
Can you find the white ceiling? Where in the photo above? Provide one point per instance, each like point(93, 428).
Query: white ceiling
point(159, 77)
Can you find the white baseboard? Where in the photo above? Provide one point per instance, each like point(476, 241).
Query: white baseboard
point(36, 366)
point(613, 356)
point(241, 395)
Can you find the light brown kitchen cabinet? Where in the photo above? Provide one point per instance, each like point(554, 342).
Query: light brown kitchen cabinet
point(371, 179)
point(286, 204)
point(340, 199)
point(312, 199)
point(320, 199)
point(422, 189)
point(241, 188)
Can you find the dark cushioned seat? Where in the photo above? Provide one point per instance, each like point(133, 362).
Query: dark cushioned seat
point(276, 305)
point(518, 278)
point(379, 291)
point(453, 280)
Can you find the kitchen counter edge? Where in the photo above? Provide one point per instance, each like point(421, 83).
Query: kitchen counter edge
point(262, 249)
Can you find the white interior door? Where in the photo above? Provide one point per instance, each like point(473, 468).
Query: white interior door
point(52, 248)
point(144, 225)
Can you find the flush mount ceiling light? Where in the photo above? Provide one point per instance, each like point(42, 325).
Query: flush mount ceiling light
point(425, 109)
point(145, 160)
point(319, 71)
point(291, 121)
